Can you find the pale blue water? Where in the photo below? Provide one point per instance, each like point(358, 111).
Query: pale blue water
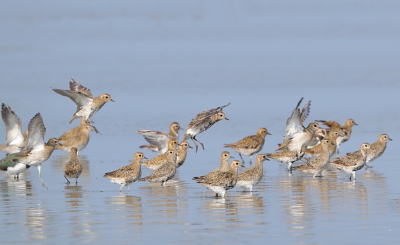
point(165, 61)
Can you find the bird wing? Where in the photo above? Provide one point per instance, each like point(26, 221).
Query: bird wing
point(330, 124)
point(157, 138)
point(35, 139)
point(293, 124)
point(13, 126)
point(204, 115)
point(80, 99)
point(305, 112)
point(77, 87)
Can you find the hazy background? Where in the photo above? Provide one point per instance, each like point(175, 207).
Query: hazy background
point(165, 61)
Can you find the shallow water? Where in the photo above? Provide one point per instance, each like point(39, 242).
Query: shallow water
point(167, 62)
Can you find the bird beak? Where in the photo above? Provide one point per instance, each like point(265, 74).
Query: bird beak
point(190, 147)
point(266, 159)
point(231, 157)
point(181, 128)
point(112, 100)
point(390, 139)
point(269, 134)
point(60, 143)
point(145, 158)
point(355, 124)
point(226, 119)
point(242, 165)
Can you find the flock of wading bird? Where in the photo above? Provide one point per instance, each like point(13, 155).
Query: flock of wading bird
point(313, 145)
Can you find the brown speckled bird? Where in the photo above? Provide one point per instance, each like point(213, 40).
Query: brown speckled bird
point(377, 149)
point(125, 176)
point(182, 153)
point(319, 162)
point(87, 104)
point(347, 129)
point(251, 177)
point(222, 181)
point(74, 167)
point(166, 171)
point(352, 162)
point(224, 166)
point(159, 140)
point(288, 157)
point(160, 160)
point(77, 137)
point(203, 121)
point(318, 149)
point(250, 145)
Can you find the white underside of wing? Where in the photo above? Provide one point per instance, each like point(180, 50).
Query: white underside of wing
point(14, 136)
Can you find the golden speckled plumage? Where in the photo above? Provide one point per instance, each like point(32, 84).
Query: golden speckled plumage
point(250, 145)
point(288, 157)
point(74, 167)
point(182, 153)
point(347, 129)
point(166, 172)
point(224, 166)
point(203, 121)
point(377, 148)
point(352, 162)
point(222, 181)
point(160, 160)
point(127, 174)
point(251, 177)
point(77, 137)
point(318, 149)
point(319, 162)
point(87, 105)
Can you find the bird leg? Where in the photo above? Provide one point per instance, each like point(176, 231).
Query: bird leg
point(199, 142)
point(121, 187)
point(66, 179)
point(242, 158)
point(195, 145)
point(39, 167)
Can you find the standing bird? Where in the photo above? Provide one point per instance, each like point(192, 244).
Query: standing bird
point(251, 177)
point(222, 181)
point(250, 145)
point(77, 137)
point(377, 149)
point(182, 153)
point(203, 121)
point(288, 157)
point(347, 128)
point(87, 105)
point(14, 139)
point(352, 162)
point(159, 140)
point(165, 172)
point(74, 167)
point(319, 162)
point(318, 149)
point(223, 167)
point(160, 160)
point(125, 176)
